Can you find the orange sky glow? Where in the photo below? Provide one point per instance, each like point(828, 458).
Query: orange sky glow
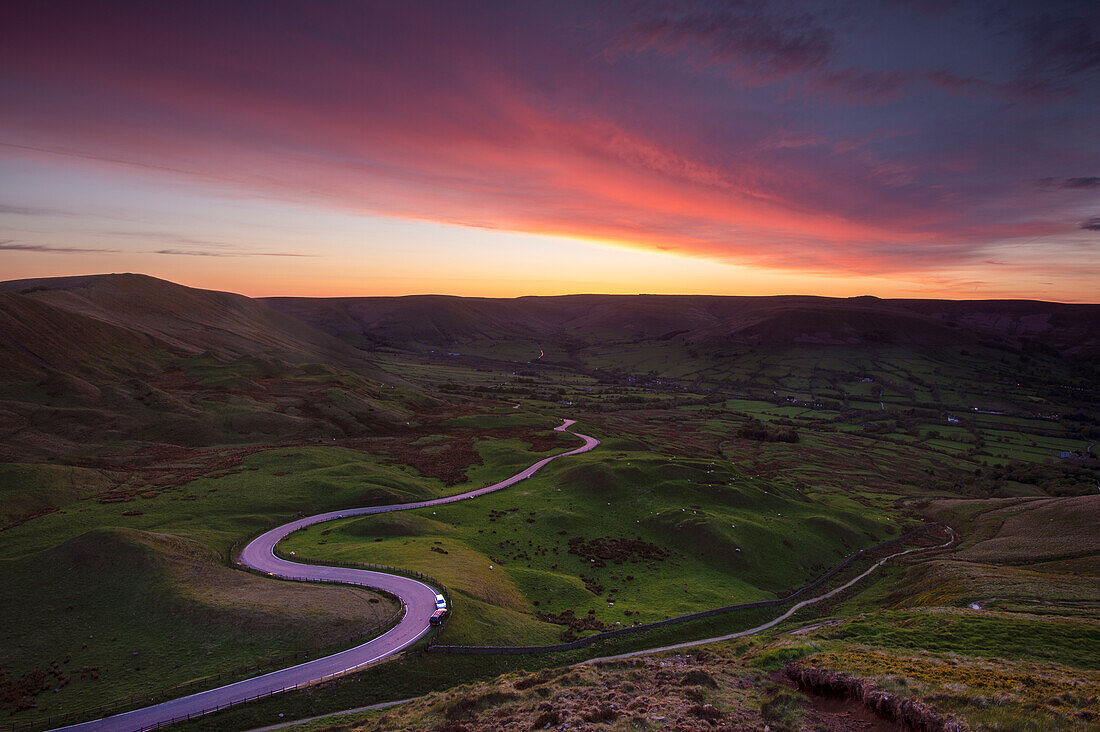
point(361, 149)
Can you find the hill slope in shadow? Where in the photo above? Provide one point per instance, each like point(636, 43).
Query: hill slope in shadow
point(109, 358)
point(434, 320)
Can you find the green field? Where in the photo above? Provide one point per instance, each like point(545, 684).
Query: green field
point(127, 563)
point(661, 537)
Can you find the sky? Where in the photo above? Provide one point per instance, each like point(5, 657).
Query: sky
point(898, 148)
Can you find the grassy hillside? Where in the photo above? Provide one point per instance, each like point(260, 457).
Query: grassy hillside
point(1021, 665)
point(130, 361)
point(742, 686)
point(610, 539)
point(119, 568)
point(748, 444)
point(116, 612)
point(584, 320)
point(138, 560)
point(185, 319)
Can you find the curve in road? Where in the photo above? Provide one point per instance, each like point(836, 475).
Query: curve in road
point(417, 597)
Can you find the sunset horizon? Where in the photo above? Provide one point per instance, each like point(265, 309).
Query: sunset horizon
point(913, 150)
point(364, 293)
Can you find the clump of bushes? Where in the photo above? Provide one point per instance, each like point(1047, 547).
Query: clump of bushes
point(699, 677)
point(546, 719)
point(705, 711)
point(603, 549)
point(573, 623)
point(468, 706)
point(19, 694)
point(754, 429)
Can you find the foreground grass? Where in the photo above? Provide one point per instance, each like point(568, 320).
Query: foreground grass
point(736, 678)
point(697, 689)
point(133, 584)
point(1065, 641)
point(990, 695)
point(416, 672)
point(1052, 661)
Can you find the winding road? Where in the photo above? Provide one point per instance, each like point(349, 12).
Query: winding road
point(417, 597)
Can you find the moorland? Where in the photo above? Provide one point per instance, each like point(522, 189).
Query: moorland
point(748, 445)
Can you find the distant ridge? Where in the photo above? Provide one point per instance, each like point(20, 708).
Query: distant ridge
point(703, 319)
point(123, 322)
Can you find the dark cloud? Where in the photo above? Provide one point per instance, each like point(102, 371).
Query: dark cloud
point(1090, 181)
point(758, 44)
point(170, 239)
point(1092, 224)
point(1050, 48)
point(1022, 88)
point(239, 253)
point(184, 246)
point(13, 246)
point(748, 39)
point(17, 210)
point(865, 86)
point(1086, 182)
point(1063, 46)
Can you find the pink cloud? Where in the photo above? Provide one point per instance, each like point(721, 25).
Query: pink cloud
point(406, 113)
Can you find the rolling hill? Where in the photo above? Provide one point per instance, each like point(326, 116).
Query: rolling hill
point(132, 358)
point(432, 320)
point(125, 322)
point(177, 319)
point(136, 360)
point(747, 445)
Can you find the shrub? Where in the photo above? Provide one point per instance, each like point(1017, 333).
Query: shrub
point(784, 710)
point(775, 658)
point(754, 429)
point(698, 677)
point(467, 706)
point(705, 711)
point(546, 719)
point(603, 714)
